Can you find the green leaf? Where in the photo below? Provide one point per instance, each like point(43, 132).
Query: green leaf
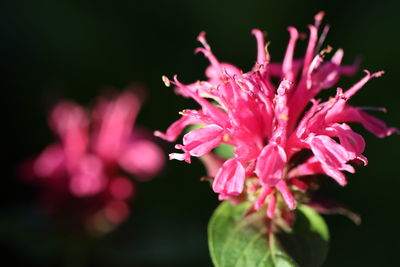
point(308, 243)
point(193, 127)
point(238, 240)
point(225, 151)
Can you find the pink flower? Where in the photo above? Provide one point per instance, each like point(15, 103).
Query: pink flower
point(93, 153)
point(270, 124)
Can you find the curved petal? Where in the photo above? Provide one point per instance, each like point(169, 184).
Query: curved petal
point(286, 194)
point(350, 140)
point(270, 164)
point(176, 128)
point(327, 151)
point(143, 158)
point(230, 178)
point(201, 141)
point(353, 114)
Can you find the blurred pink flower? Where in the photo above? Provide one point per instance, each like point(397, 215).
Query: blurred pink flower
point(94, 152)
point(270, 124)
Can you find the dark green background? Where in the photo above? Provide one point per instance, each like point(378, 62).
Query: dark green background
point(56, 49)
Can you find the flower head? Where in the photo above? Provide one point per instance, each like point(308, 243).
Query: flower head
point(93, 155)
point(281, 132)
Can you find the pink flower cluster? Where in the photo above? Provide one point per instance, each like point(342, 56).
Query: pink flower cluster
point(94, 153)
point(270, 124)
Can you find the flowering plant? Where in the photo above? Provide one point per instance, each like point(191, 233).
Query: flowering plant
point(87, 170)
point(283, 138)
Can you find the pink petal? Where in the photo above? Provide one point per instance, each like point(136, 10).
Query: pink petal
point(230, 178)
point(310, 167)
point(287, 67)
point(355, 88)
point(50, 161)
point(286, 194)
point(201, 141)
point(271, 206)
point(261, 53)
point(208, 54)
point(354, 114)
point(337, 57)
point(70, 122)
point(207, 108)
point(374, 125)
point(121, 188)
point(270, 164)
point(185, 156)
point(310, 48)
point(266, 191)
point(215, 75)
point(88, 179)
point(299, 184)
point(351, 141)
point(180, 156)
point(327, 151)
point(67, 116)
point(334, 173)
point(314, 166)
point(332, 156)
point(281, 112)
point(176, 128)
point(142, 158)
point(114, 120)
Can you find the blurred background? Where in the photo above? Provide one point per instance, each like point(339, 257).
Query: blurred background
point(51, 50)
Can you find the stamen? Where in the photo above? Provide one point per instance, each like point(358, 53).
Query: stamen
point(166, 81)
point(318, 18)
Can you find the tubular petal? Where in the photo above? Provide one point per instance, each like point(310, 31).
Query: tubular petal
point(270, 164)
point(230, 178)
point(176, 128)
point(286, 194)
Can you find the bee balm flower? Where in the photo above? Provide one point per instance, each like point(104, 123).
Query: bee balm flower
point(93, 156)
point(270, 124)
